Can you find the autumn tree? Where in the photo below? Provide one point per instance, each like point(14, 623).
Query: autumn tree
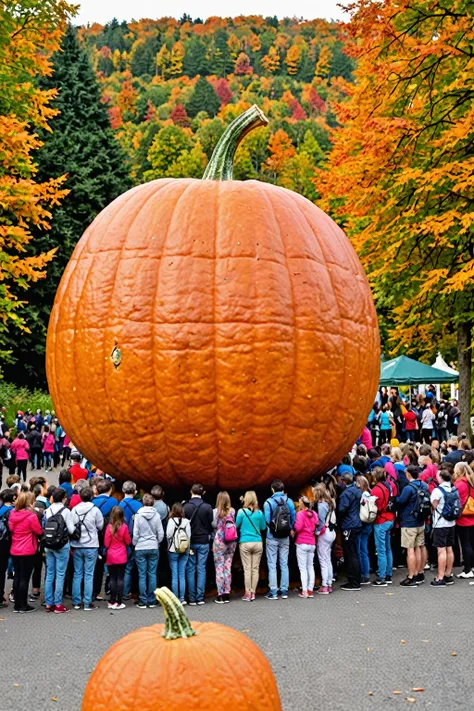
point(281, 149)
point(242, 64)
point(174, 153)
point(271, 61)
point(203, 98)
point(223, 91)
point(179, 116)
point(30, 32)
point(400, 175)
point(81, 146)
point(292, 59)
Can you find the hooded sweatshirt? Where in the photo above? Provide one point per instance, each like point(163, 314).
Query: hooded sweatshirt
point(20, 448)
point(305, 526)
point(25, 529)
point(147, 529)
point(92, 522)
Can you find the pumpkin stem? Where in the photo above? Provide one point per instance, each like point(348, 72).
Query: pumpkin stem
point(221, 165)
point(177, 625)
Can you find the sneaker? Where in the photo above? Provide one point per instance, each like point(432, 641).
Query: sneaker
point(183, 602)
point(247, 597)
point(192, 603)
point(142, 606)
point(284, 595)
point(252, 596)
point(150, 607)
point(88, 608)
point(438, 583)
point(380, 583)
point(220, 600)
point(59, 609)
point(465, 575)
point(11, 598)
point(28, 608)
point(303, 593)
point(388, 579)
point(427, 566)
point(330, 589)
point(449, 579)
point(201, 602)
point(100, 598)
point(271, 596)
point(365, 581)
point(111, 605)
point(33, 598)
point(419, 579)
point(323, 590)
point(121, 606)
point(226, 597)
point(310, 593)
point(409, 583)
point(350, 588)
point(49, 608)
point(77, 607)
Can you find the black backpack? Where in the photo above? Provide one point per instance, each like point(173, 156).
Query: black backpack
point(422, 505)
point(55, 531)
point(452, 508)
point(5, 534)
point(390, 508)
point(76, 535)
point(280, 522)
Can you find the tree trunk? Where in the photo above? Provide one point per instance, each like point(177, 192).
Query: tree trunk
point(465, 366)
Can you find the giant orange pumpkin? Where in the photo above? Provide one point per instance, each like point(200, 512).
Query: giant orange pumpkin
point(213, 330)
point(176, 667)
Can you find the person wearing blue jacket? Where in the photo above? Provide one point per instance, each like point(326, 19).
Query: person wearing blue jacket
point(351, 526)
point(105, 502)
point(130, 506)
point(384, 457)
point(412, 528)
point(278, 548)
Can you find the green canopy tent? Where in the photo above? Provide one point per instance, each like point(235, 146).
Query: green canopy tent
point(406, 371)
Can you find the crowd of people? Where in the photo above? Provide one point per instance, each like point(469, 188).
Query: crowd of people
point(384, 506)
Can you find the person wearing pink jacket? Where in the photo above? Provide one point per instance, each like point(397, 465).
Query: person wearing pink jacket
point(117, 538)
point(21, 449)
point(305, 539)
point(48, 446)
point(25, 528)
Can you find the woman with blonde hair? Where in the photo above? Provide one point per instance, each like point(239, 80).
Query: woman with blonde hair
point(325, 506)
point(463, 480)
point(225, 543)
point(25, 529)
point(250, 525)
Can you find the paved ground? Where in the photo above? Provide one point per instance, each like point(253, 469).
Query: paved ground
point(344, 651)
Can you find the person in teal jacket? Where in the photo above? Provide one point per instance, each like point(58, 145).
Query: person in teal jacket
point(250, 524)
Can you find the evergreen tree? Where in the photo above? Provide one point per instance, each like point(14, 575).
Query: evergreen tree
point(203, 98)
point(195, 61)
point(82, 146)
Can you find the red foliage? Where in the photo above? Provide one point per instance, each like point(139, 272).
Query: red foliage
point(179, 116)
point(298, 111)
point(115, 116)
point(315, 101)
point(222, 89)
point(150, 111)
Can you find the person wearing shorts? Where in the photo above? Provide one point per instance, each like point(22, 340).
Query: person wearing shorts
point(412, 529)
point(443, 532)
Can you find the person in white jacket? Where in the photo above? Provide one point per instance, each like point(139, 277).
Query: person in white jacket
point(86, 549)
point(147, 536)
point(177, 531)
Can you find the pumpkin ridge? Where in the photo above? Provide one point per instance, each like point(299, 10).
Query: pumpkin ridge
point(149, 194)
point(154, 327)
point(340, 319)
point(214, 334)
point(78, 302)
point(267, 195)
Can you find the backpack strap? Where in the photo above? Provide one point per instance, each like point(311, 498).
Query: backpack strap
point(254, 526)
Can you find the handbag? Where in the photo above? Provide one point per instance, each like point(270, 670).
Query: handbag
point(468, 509)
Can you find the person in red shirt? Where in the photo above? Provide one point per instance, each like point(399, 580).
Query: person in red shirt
point(411, 423)
point(385, 492)
point(77, 472)
point(76, 497)
point(463, 480)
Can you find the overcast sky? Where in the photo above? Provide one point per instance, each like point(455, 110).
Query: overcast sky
point(104, 10)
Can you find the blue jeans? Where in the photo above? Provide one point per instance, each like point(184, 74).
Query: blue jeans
point(147, 563)
point(278, 549)
point(196, 568)
point(178, 578)
point(47, 459)
point(384, 549)
point(56, 566)
point(364, 550)
point(410, 435)
point(84, 565)
point(127, 581)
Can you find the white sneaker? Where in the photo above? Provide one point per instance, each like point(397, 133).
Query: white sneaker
point(465, 575)
point(119, 607)
point(111, 605)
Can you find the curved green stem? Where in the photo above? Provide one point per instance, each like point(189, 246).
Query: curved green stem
point(177, 625)
point(221, 165)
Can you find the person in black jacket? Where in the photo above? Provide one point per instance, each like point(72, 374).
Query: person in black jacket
point(351, 526)
point(200, 515)
point(36, 447)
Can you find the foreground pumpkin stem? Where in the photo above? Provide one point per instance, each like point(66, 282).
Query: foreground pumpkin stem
point(221, 165)
point(177, 625)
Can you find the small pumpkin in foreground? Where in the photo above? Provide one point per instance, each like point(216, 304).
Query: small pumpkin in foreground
point(213, 330)
point(176, 667)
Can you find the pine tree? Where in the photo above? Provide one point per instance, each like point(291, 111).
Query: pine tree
point(82, 146)
point(203, 98)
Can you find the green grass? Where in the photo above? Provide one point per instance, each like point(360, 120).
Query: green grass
point(15, 398)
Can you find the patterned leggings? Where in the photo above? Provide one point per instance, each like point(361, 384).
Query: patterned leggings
point(223, 563)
